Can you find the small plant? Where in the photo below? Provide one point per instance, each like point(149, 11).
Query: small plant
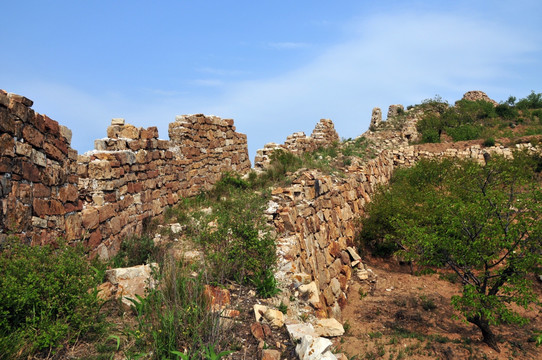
point(135, 250)
point(375, 335)
point(210, 354)
point(283, 308)
point(489, 142)
point(347, 327)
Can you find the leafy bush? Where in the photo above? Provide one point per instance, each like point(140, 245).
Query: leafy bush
point(489, 142)
point(465, 132)
point(241, 247)
point(532, 101)
point(135, 250)
point(506, 111)
point(47, 298)
point(430, 136)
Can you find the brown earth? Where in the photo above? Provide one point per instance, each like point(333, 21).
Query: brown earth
point(410, 317)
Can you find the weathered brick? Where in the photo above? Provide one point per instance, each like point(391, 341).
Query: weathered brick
point(90, 218)
point(33, 136)
point(7, 145)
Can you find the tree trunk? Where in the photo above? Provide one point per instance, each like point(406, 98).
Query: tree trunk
point(489, 338)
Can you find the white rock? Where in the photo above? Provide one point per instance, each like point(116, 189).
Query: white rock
point(362, 274)
point(329, 328)
point(297, 331)
point(353, 253)
point(311, 348)
point(272, 207)
point(311, 291)
point(259, 311)
point(176, 228)
point(275, 318)
point(117, 121)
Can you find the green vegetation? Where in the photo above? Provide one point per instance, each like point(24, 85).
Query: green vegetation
point(482, 222)
point(239, 245)
point(470, 120)
point(178, 316)
point(330, 160)
point(49, 299)
point(135, 250)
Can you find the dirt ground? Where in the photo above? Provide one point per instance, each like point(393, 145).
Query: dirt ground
point(410, 317)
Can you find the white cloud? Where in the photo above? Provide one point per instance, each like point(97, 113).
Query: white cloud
point(389, 59)
point(396, 58)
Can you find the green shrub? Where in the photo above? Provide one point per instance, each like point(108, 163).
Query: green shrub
point(135, 250)
point(47, 298)
point(506, 111)
point(489, 142)
point(241, 247)
point(532, 101)
point(465, 132)
point(228, 182)
point(430, 136)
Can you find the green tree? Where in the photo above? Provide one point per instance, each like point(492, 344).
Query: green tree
point(481, 221)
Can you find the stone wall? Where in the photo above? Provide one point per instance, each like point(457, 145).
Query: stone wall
point(323, 135)
point(48, 192)
point(132, 176)
point(38, 181)
point(315, 219)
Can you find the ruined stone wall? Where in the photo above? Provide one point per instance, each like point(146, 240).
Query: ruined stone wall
point(47, 191)
point(315, 219)
point(132, 176)
point(323, 135)
point(39, 200)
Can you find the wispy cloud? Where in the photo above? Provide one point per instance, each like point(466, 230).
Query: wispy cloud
point(392, 58)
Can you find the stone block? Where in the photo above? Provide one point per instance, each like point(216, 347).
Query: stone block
point(117, 121)
point(33, 136)
point(129, 132)
point(90, 218)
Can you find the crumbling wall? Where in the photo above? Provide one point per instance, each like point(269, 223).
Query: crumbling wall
point(323, 135)
point(132, 176)
point(39, 200)
point(48, 192)
point(316, 221)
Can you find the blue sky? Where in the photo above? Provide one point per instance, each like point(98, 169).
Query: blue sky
point(276, 67)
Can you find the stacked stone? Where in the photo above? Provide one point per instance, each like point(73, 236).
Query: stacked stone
point(477, 95)
point(130, 177)
point(211, 146)
point(39, 200)
point(323, 135)
point(394, 110)
point(376, 118)
point(314, 219)
point(263, 156)
point(298, 143)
